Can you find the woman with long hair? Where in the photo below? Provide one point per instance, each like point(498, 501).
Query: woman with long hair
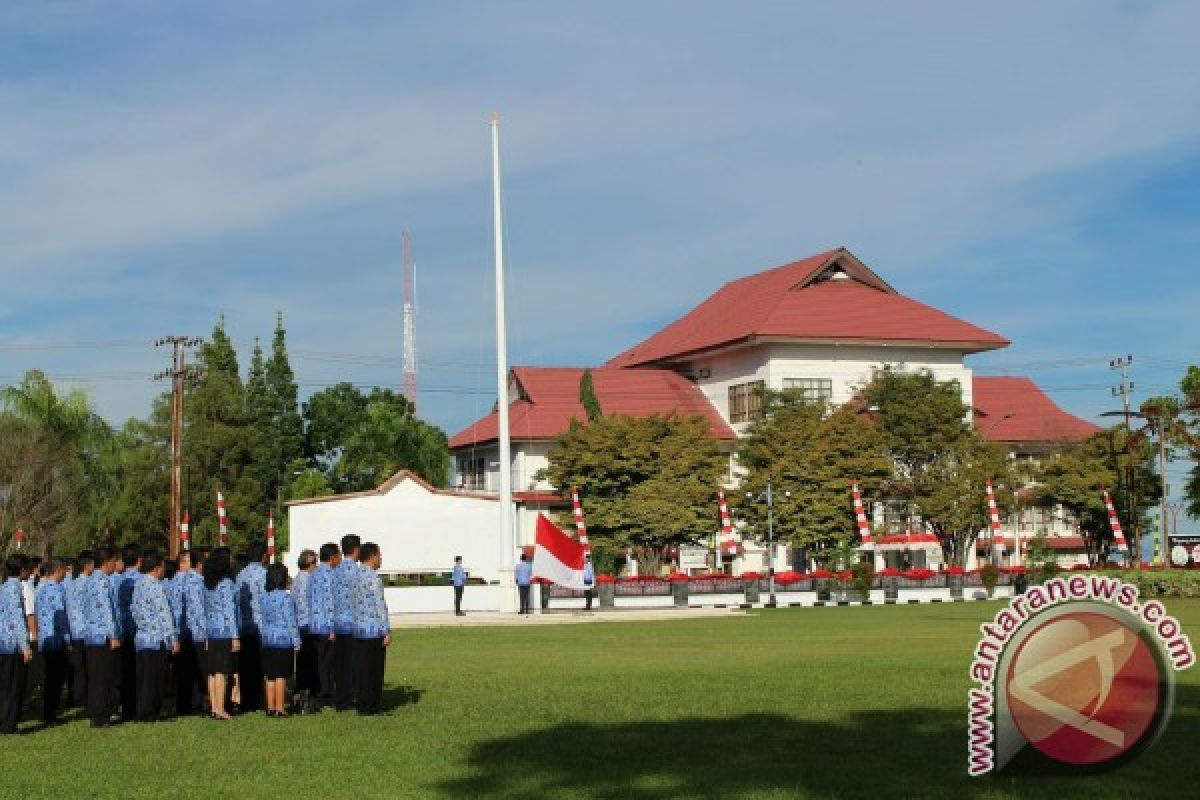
point(221, 611)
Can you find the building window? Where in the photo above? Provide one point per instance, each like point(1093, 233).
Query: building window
point(745, 401)
point(472, 474)
point(811, 388)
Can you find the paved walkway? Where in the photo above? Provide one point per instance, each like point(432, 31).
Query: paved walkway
point(489, 618)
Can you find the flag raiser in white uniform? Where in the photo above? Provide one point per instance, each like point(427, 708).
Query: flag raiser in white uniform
point(557, 557)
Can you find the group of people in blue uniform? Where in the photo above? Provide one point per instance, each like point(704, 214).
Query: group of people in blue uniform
point(117, 631)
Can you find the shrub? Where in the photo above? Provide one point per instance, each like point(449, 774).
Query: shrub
point(989, 576)
point(864, 576)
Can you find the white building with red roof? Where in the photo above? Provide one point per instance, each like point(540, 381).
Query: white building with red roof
point(821, 325)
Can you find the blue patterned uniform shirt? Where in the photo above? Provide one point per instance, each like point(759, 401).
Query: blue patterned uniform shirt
point(174, 590)
point(194, 620)
point(99, 610)
point(343, 596)
point(524, 573)
point(370, 609)
point(75, 619)
point(279, 628)
point(320, 601)
point(221, 608)
point(14, 635)
point(53, 630)
point(300, 599)
point(124, 585)
point(460, 576)
point(151, 613)
point(251, 586)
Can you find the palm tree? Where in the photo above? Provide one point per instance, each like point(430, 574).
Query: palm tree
point(35, 401)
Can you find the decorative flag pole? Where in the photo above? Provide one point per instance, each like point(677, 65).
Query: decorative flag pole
point(19, 538)
point(222, 519)
point(1115, 523)
point(994, 514)
point(185, 536)
point(728, 539)
point(860, 515)
point(271, 535)
point(577, 507)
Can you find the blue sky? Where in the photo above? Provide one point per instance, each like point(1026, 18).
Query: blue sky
point(1032, 167)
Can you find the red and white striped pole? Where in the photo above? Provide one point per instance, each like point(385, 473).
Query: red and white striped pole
point(728, 540)
point(271, 535)
point(994, 515)
point(577, 508)
point(860, 515)
point(1114, 522)
point(19, 538)
point(222, 520)
point(185, 536)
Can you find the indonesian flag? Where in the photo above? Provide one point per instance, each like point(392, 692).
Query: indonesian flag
point(185, 536)
point(271, 534)
point(557, 557)
point(222, 520)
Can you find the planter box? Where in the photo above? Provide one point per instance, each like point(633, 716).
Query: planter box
point(752, 590)
point(608, 594)
point(679, 593)
point(955, 582)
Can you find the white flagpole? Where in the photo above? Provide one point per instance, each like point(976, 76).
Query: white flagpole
point(508, 543)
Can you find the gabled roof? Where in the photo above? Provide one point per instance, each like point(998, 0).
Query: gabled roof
point(387, 486)
point(548, 397)
point(1011, 409)
point(829, 297)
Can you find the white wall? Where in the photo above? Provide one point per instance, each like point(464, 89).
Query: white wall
point(417, 530)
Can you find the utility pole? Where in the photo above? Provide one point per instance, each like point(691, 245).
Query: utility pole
point(1124, 390)
point(179, 374)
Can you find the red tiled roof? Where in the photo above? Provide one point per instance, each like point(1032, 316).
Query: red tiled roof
point(793, 302)
point(1009, 409)
point(549, 398)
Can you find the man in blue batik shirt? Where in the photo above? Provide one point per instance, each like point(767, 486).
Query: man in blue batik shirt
point(343, 624)
point(251, 586)
point(321, 610)
point(124, 584)
point(589, 580)
point(75, 620)
point(459, 578)
point(54, 637)
point(372, 631)
point(192, 629)
point(102, 638)
point(15, 651)
point(524, 577)
point(156, 637)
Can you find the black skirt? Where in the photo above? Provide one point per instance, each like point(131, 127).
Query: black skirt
point(216, 657)
point(278, 662)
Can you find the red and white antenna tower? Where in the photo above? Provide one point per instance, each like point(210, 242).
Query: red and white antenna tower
point(410, 324)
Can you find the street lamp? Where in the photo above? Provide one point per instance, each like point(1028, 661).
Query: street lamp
point(769, 495)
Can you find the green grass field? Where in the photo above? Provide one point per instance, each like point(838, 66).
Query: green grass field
point(834, 702)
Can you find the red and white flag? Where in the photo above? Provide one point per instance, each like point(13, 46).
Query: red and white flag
point(577, 507)
point(1115, 523)
point(729, 545)
point(994, 515)
point(222, 520)
point(271, 535)
point(860, 515)
point(557, 557)
point(185, 535)
point(19, 538)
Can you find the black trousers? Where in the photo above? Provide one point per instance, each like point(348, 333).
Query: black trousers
point(13, 670)
point(458, 592)
point(307, 676)
point(78, 661)
point(250, 675)
point(344, 653)
point(128, 679)
point(325, 666)
point(103, 682)
point(151, 683)
point(369, 659)
point(54, 675)
point(587, 597)
point(185, 669)
point(523, 593)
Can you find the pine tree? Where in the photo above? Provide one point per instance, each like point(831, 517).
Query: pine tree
point(288, 443)
point(588, 398)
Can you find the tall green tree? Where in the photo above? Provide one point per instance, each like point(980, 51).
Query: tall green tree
point(1190, 386)
point(588, 398)
point(220, 448)
point(643, 481)
point(811, 454)
point(286, 445)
